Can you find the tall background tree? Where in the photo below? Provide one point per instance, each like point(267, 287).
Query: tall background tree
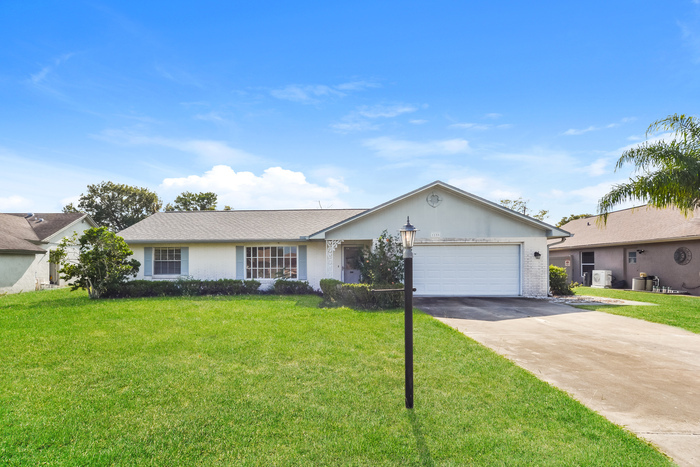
point(566, 220)
point(186, 201)
point(667, 173)
point(520, 205)
point(116, 206)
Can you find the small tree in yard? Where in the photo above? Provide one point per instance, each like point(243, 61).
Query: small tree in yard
point(102, 261)
point(382, 265)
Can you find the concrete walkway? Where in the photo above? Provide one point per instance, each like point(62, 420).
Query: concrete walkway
point(642, 376)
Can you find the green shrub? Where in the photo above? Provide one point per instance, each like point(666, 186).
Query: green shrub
point(382, 264)
point(289, 287)
point(360, 296)
point(386, 300)
point(183, 287)
point(558, 281)
point(330, 289)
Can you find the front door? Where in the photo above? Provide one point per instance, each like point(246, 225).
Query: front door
point(351, 275)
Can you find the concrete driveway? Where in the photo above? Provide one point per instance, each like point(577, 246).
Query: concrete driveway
point(640, 375)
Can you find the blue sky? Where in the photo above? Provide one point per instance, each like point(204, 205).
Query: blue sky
point(336, 104)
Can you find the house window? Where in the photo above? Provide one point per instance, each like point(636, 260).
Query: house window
point(587, 264)
point(167, 261)
point(271, 262)
point(631, 257)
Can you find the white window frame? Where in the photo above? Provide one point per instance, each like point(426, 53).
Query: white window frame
point(177, 259)
point(266, 262)
point(631, 257)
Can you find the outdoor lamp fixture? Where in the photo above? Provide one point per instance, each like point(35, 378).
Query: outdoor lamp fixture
point(408, 235)
point(640, 251)
point(538, 255)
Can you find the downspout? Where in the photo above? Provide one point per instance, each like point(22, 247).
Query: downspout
point(548, 245)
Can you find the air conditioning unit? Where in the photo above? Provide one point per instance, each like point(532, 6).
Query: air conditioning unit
point(602, 279)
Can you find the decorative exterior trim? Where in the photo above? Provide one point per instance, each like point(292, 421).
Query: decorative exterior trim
point(433, 199)
point(331, 245)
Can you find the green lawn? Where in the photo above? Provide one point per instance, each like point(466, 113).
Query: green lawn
point(682, 311)
point(272, 381)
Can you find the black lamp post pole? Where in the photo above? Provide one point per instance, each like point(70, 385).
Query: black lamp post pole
point(408, 323)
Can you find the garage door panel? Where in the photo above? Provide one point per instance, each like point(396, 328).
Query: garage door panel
point(487, 270)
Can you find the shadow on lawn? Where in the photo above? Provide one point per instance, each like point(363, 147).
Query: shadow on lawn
point(423, 450)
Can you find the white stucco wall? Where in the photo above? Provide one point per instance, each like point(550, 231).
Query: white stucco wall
point(20, 273)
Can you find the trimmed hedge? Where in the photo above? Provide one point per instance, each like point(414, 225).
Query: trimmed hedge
point(289, 287)
point(182, 287)
point(360, 296)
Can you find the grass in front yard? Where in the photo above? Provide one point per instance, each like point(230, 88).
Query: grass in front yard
point(682, 311)
point(272, 381)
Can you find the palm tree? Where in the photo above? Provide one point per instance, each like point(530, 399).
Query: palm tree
point(667, 173)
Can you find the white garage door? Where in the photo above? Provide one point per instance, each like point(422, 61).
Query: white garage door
point(467, 270)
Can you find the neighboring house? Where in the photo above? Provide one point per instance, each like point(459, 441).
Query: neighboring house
point(465, 245)
point(658, 242)
point(25, 240)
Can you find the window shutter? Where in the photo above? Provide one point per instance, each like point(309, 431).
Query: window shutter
point(148, 261)
point(240, 260)
point(184, 261)
point(301, 263)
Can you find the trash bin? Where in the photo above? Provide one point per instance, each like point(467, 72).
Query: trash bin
point(639, 283)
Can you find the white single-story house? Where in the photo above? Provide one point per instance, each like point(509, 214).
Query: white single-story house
point(25, 240)
point(465, 246)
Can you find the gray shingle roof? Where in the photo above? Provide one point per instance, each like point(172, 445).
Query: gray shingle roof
point(52, 222)
point(226, 226)
point(17, 236)
point(634, 225)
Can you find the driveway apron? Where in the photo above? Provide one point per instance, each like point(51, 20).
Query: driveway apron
point(640, 375)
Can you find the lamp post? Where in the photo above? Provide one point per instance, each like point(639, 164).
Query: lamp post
point(408, 235)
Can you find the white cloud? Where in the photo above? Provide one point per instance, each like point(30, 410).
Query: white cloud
point(485, 187)
point(599, 167)
point(210, 117)
point(395, 148)
point(385, 111)
point(40, 76)
point(275, 188)
point(358, 125)
point(14, 203)
point(471, 126)
point(576, 132)
point(312, 93)
point(305, 94)
point(211, 151)
point(359, 119)
point(356, 85)
point(418, 122)
point(573, 131)
point(493, 115)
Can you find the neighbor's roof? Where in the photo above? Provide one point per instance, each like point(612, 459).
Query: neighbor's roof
point(22, 234)
point(227, 226)
point(641, 224)
point(17, 236)
point(51, 223)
